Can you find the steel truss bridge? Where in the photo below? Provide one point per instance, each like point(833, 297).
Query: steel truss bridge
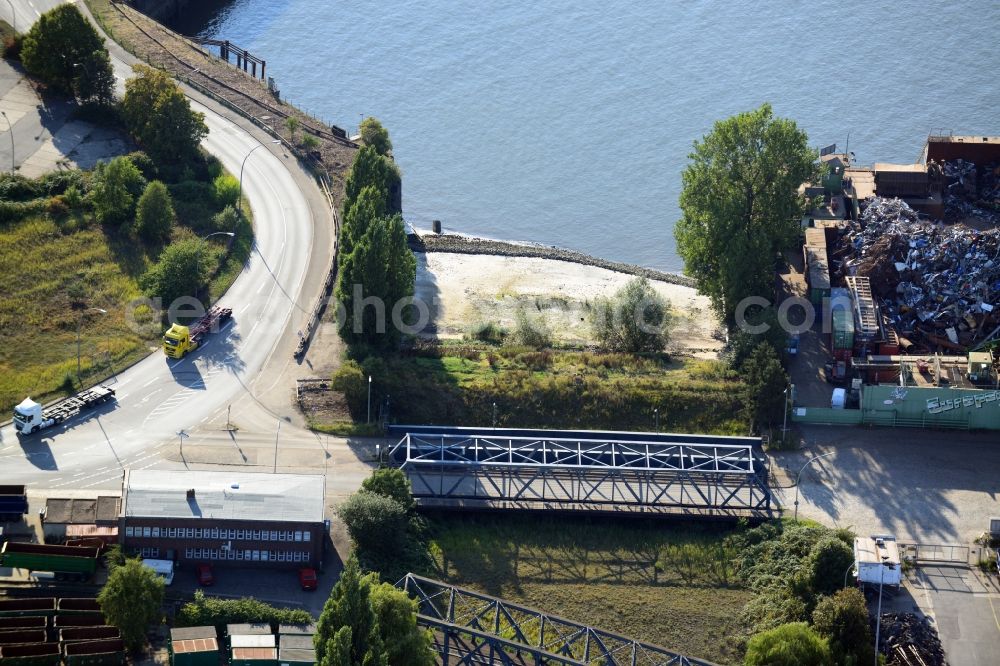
point(693, 475)
point(473, 628)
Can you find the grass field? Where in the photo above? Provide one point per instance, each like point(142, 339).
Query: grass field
point(459, 384)
point(667, 583)
point(54, 272)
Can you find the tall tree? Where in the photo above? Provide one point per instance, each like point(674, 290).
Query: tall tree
point(116, 185)
point(765, 382)
point(131, 600)
point(406, 644)
point(376, 136)
point(372, 169)
point(154, 214)
point(349, 608)
point(160, 118)
point(381, 268)
point(741, 205)
point(367, 207)
point(59, 42)
point(95, 79)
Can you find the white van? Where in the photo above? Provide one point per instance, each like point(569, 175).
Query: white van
point(163, 568)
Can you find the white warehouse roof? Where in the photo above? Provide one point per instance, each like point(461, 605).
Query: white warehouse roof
point(223, 495)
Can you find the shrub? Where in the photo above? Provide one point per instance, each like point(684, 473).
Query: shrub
point(391, 482)
point(843, 620)
point(488, 331)
point(12, 46)
point(829, 559)
point(794, 644)
point(378, 525)
point(59, 40)
point(211, 611)
point(228, 219)
point(180, 271)
point(12, 211)
point(309, 142)
point(56, 207)
point(15, 187)
point(636, 319)
point(531, 331)
point(351, 380)
point(227, 190)
point(145, 164)
point(116, 186)
point(57, 182)
point(159, 117)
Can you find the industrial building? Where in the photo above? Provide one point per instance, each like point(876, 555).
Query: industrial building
point(81, 518)
point(265, 520)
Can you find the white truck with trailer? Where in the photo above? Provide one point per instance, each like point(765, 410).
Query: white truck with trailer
point(30, 417)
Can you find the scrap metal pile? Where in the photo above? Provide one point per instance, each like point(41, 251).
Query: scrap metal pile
point(907, 640)
point(937, 284)
point(971, 193)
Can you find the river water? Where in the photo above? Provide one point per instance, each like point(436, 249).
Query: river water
point(568, 122)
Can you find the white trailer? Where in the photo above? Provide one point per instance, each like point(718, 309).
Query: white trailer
point(876, 561)
point(30, 417)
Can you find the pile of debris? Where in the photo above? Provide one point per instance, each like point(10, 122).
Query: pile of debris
point(938, 284)
point(971, 194)
point(908, 640)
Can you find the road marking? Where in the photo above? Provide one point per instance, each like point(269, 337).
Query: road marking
point(243, 308)
point(261, 287)
point(151, 382)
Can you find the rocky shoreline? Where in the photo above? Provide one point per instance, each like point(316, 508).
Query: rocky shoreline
point(469, 245)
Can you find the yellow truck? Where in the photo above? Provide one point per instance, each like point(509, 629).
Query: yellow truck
point(179, 340)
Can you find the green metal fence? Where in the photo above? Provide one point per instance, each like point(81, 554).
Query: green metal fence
point(827, 416)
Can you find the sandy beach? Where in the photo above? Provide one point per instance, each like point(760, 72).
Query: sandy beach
point(463, 289)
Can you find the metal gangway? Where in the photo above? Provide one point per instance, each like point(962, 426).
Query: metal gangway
point(473, 628)
point(612, 472)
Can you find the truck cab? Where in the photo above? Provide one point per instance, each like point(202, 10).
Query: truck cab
point(28, 417)
point(177, 341)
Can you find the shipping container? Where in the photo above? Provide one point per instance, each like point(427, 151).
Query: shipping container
point(296, 642)
point(302, 629)
point(24, 622)
point(33, 654)
point(101, 632)
point(199, 651)
point(78, 620)
point(296, 657)
point(842, 335)
point(71, 605)
point(22, 635)
point(73, 560)
point(19, 607)
point(109, 652)
point(254, 656)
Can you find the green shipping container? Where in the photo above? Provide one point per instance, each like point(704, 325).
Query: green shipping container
point(296, 657)
point(37, 654)
point(843, 329)
point(40, 557)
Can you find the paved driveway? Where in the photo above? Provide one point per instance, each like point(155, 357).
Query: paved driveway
point(965, 606)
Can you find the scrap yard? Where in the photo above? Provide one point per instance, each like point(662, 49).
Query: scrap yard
point(902, 264)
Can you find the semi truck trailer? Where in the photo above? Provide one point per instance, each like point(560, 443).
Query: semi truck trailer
point(30, 417)
point(179, 340)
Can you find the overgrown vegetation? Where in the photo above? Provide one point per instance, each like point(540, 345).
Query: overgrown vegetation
point(547, 388)
point(670, 584)
point(792, 569)
point(636, 319)
point(213, 611)
point(131, 600)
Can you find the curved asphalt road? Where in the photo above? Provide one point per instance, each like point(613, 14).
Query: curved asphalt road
point(158, 397)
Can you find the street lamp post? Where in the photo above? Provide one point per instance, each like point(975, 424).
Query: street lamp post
point(239, 202)
point(847, 572)
point(79, 325)
point(808, 462)
point(878, 614)
point(10, 128)
point(369, 399)
point(784, 422)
